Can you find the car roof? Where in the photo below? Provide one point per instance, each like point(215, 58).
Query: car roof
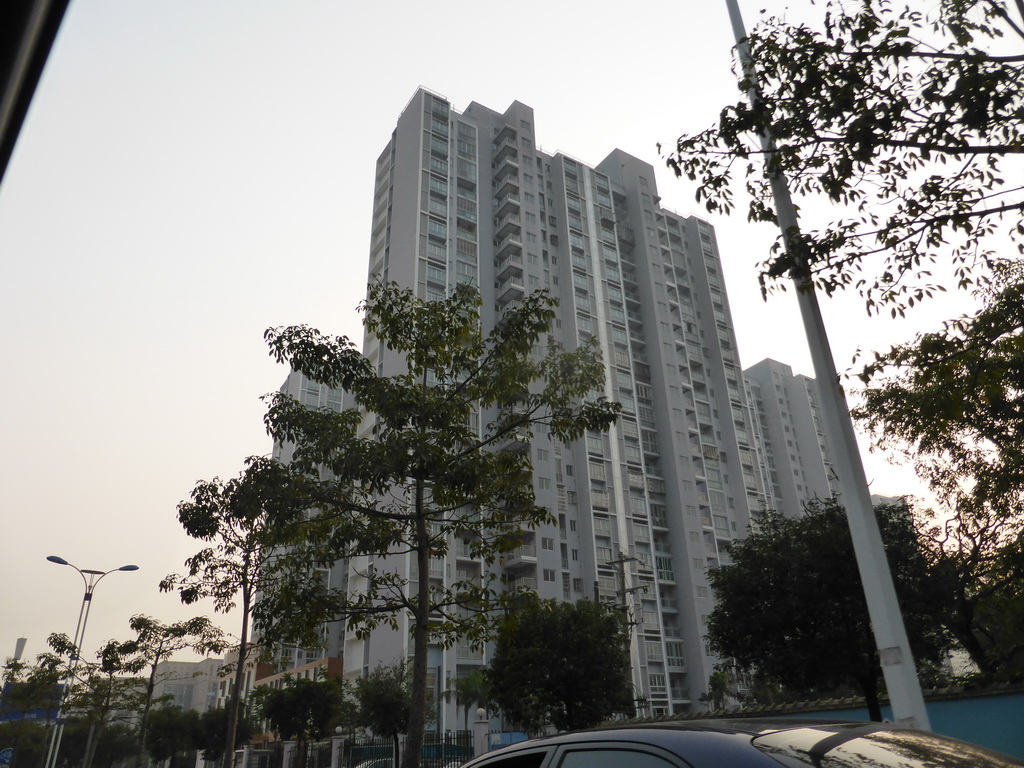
point(704, 738)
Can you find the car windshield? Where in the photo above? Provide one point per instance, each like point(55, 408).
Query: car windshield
point(876, 747)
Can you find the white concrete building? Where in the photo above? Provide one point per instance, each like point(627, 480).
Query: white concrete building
point(791, 444)
point(642, 512)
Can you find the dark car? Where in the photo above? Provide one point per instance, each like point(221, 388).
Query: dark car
point(746, 744)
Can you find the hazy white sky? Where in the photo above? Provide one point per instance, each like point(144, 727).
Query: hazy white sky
point(194, 171)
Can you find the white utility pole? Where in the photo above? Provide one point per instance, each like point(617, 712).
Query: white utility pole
point(886, 620)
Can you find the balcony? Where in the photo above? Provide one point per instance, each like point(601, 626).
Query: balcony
point(507, 185)
point(510, 245)
point(523, 555)
point(511, 289)
point(511, 265)
point(509, 166)
point(627, 238)
point(507, 204)
point(522, 584)
point(505, 148)
point(466, 652)
point(507, 225)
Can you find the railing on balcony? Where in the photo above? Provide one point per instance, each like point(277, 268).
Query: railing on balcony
point(466, 652)
point(524, 554)
point(511, 288)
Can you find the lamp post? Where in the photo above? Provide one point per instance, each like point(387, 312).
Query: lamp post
point(90, 579)
point(880, 594)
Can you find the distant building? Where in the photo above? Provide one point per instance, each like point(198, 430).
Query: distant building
point(643, 512)
point(793, 454)
point(189, 684)
point(254, 671)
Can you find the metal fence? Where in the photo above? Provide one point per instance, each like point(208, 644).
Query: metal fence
point(443, 750)
point(440, 750)
point(271, 756)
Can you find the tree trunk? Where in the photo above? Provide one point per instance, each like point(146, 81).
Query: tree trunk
point(150, 687)
point(869, 687)
point(235, 701)
point(418, 705)
point(95, 731)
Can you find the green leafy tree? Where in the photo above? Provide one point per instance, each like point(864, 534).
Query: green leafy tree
point(171, 731)
point(301, 709)
point(213, 729)
point(444, 461)
point(155, 642)
point(468, 691)
point(384, 698)
point(952, 401)
point(980, 563)
point(791, 605)
point(231, 516)
point(718, 689)
point(27, 689)
point(561, 664)
point(907, 119)
point(99, 694)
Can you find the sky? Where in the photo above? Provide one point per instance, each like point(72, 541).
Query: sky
point(192, 172)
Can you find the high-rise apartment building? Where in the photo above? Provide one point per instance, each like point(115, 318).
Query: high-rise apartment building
point(789, 436)
point(643, 511)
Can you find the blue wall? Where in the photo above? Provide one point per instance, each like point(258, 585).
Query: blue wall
point(994, 721)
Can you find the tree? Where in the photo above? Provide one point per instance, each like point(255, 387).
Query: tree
point(563, 664)
point(385, 698)
point(906, 121)
point(468, 691)
point(953, 402)
point(718, 690)
point(212, 732)
point(155, 642)
point(980, 563)
point(230, 515)
point(301, 709)
point(171, 731)
point(428, 474)
point(30, 689)
point(791, 605)
point(98, 694)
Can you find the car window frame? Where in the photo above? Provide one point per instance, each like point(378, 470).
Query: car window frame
point(493, 758)
point(558, 755)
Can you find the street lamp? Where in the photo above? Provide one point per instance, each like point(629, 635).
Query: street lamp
point(90, 579)
point(879, 592)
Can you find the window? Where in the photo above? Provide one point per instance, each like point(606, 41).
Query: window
point(549, 574)
point(547, 543)
point(544, 483)
point(437, 228)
